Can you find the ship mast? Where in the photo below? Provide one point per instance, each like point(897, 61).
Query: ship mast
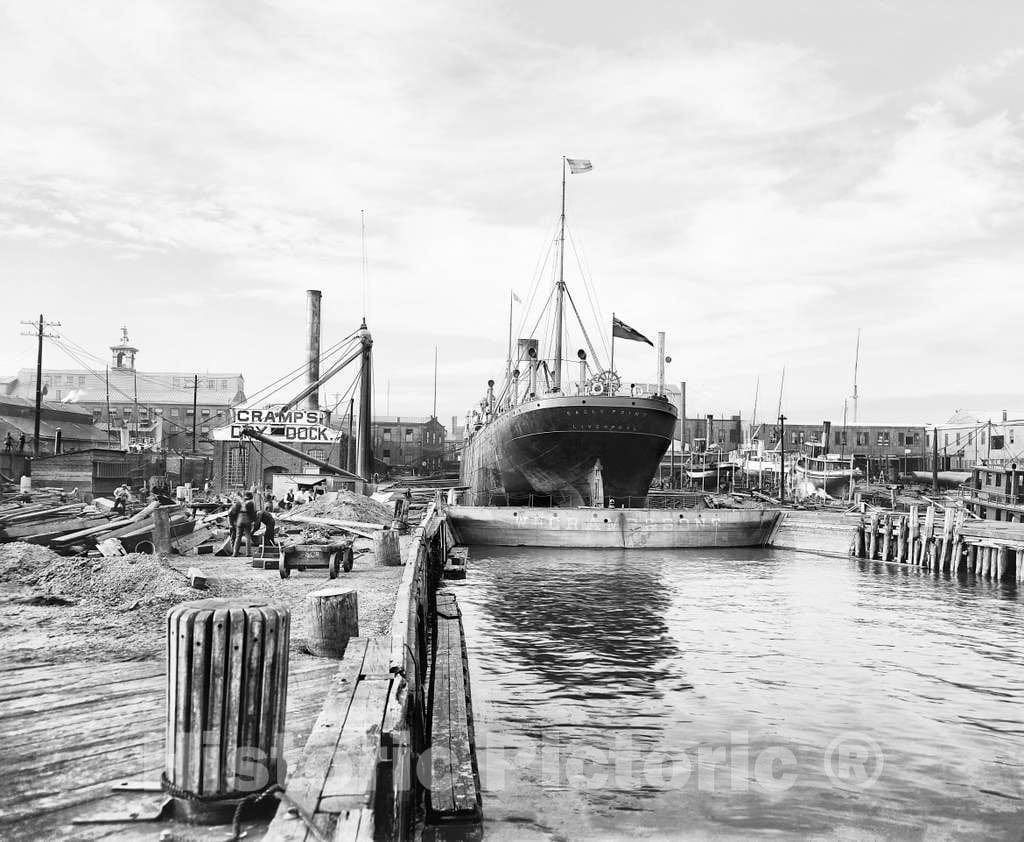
point(556, 375)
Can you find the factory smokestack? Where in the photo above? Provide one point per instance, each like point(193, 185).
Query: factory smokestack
point(313, 346)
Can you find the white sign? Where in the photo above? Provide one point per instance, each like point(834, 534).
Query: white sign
point(290, 425)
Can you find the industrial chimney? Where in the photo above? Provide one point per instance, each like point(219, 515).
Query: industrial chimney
point(313, 346)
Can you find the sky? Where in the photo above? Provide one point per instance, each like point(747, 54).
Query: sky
point(768, 179)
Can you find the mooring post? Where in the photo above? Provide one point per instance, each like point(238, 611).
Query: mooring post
point(227, 684)
point(1019, 565)
point(858, 541)
point(873, 535)
point(901, 539)
point(1004, 554)
point(332, 619)
point(386, 549)
point(162, 530)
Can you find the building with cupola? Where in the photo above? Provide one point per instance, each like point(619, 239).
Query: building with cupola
point(159, 410)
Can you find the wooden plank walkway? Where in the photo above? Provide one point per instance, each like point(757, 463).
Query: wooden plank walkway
point(334, 781)
point(72, 731)
point(454, 783)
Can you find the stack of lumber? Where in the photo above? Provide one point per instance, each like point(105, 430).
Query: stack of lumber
point(38, 522)
point(130, 531)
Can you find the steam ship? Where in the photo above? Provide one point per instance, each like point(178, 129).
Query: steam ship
point(539, 438)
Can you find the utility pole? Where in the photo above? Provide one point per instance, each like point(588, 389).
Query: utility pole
point(935, 460)
point(40, 333)
point(106, 381)
point(434, 413)
point(782, 453)
point(195, 409)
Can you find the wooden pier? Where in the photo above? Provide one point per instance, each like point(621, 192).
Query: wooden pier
point(947, 542)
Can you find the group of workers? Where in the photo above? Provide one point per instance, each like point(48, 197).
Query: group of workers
point(9, 443)
point(245, 520)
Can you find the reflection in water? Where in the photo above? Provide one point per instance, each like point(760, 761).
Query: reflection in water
point(736, 693)
point(611, 624)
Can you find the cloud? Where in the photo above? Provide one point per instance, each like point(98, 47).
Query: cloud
point(746, 197)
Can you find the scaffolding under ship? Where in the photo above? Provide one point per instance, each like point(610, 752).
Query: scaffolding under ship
point(540, 440)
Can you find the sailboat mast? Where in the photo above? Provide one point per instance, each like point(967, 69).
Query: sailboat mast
point(753, 415)
point(856, 365)
point(556, 375)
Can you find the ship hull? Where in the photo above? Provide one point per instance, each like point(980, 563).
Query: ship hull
point(551, 446)
point(829, 481)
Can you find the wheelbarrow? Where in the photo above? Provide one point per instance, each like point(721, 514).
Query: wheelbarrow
point(334, 557)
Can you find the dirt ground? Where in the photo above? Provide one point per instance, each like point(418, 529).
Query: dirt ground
point(55, 609)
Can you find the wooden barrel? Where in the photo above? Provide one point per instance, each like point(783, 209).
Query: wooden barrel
point(227, 683)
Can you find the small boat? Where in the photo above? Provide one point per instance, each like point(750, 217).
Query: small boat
point(706, 468)
point(827, 471)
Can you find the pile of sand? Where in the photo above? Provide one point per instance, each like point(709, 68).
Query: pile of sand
point(347, 506)
point(121, 581)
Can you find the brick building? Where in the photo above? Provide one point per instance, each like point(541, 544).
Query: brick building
point(408, 445)
point(152, 409)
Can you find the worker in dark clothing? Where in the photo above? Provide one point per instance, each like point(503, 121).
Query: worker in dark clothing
point(244, 524)
point(21, 444)
point(233, 512)
point(266, 520)
point(8, 442)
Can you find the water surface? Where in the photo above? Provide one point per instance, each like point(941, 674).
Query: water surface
point(739, 693)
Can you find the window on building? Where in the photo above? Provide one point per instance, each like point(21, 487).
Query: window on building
point(224, 384)
point(316, 453)
point(862, 438)
point(734, 436)
point(158, 411)
point(408, 435)
point(916, 439)
point(205, 428)
point(190, 411)
point(81, 380)
point(59, 393)
point(883, 438)
point(387, 434)
point(842, 438)
point(71, 380)
point(174, 412)
point(901, 439)
point(794, 437)
point(238, 458)
point(205, 412)
point(997, 442)
point(946, 442)
point(387, 452)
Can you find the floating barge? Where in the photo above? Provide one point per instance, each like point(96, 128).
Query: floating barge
point(598, 528)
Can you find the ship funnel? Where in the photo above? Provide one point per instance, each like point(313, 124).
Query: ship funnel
point(711, 429)
point(532, 351)
point(826, 431)
point(490, 396)
point(583, 368)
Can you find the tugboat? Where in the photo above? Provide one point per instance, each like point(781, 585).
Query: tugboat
point(538, 439)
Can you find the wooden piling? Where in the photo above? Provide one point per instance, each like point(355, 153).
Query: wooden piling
point(972, 557)
point(873, 533)
point(386, 549)
point(1004, 554)
point(227, 682)
point(1019, 569)
point(902, 532)
point(945, 549)
point(162, 530)
point(886, 537)
point(927, 542)
point(915, 534)
point(858, 542)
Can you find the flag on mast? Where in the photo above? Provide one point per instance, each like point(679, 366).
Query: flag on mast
point(516, 298)
point(578, 165)
point(624, 331)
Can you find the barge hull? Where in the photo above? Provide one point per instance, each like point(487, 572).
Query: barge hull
point(500, 526)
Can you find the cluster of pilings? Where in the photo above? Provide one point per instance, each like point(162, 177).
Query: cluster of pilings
point(990, 550)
